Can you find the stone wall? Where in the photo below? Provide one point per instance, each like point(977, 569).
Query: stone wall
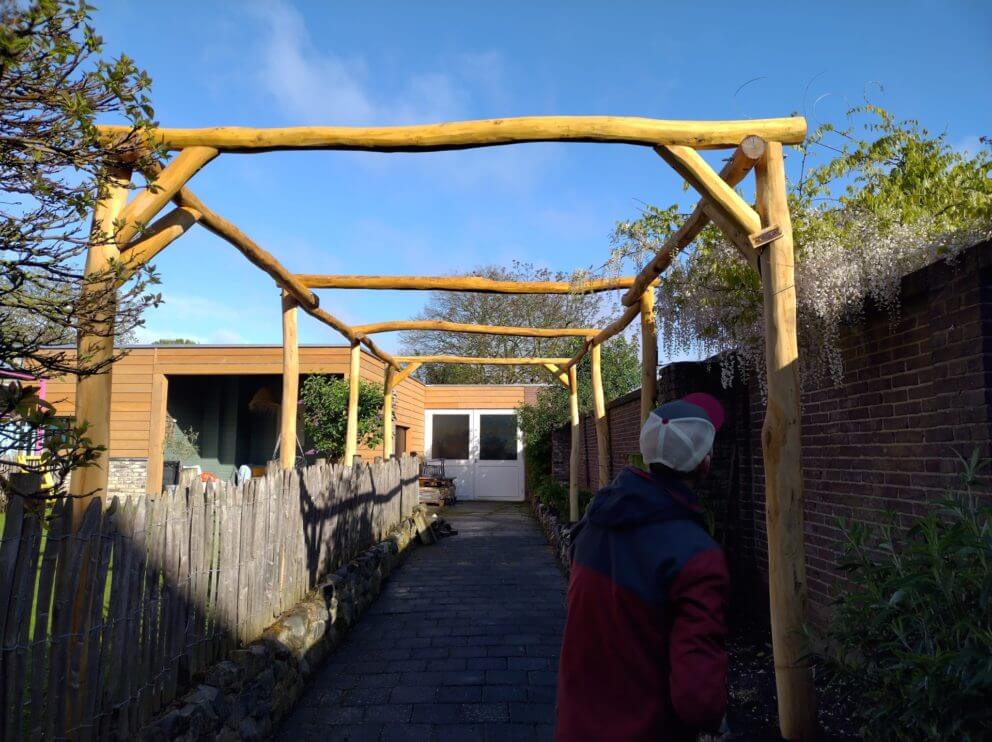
point(245, 696)
point(916, 392)
point(127, 477)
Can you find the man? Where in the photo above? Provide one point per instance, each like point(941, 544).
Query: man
point(643, 656)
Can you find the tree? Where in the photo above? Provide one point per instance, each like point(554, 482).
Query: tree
point(325, 413)
point(525, 310)
point(621, 371)
point(175, 341)
point(888, 198)
point(53, 86)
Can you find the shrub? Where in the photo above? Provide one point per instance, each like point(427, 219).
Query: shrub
point(914, 624)
point(325, 413)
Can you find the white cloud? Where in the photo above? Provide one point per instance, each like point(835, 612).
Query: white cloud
point(316, 86)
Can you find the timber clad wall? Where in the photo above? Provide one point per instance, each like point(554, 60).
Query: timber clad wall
point(141, 387)
point(914, 391)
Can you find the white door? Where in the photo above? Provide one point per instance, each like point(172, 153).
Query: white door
point(482, 451)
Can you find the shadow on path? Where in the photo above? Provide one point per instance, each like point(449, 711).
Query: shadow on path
point(462, 644)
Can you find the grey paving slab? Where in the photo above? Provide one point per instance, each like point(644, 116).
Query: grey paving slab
point(462, 644)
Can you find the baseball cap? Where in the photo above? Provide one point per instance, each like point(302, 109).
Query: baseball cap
point(680, 433)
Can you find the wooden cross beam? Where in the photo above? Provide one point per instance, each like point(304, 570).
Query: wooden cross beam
point(474, 284)
point(443, 326)
point(471, 361)
point(468, 134)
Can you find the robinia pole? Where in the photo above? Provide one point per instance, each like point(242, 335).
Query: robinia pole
point(573, 452)
point(351, 434)
point(387, 413)
point(649, 354)
point(780, 437)
point(95, 340)
point(290, 383)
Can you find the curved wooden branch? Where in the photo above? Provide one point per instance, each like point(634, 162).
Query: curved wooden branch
point(444, 326)
point(617, 326)
point(688, 163)
point(463, 283)
point(740, 164)
point(482, 133)
point(157, 237)
point(562, 376)
point(161, 189)
point(307, 300)
point(400, 376)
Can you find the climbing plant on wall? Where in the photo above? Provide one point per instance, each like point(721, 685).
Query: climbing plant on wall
point(871, 201)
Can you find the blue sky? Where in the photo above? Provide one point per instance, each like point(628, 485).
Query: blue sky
point(286, 63)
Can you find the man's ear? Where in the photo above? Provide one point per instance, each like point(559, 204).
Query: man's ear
point(704, 466)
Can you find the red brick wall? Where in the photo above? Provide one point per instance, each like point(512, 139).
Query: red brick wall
point(914, 391)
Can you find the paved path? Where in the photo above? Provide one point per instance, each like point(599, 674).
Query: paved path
point(461, 645)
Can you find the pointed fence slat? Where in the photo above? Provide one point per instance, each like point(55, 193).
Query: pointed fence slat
point(102, 627)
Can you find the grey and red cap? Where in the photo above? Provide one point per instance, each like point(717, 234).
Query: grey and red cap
point(680, 433)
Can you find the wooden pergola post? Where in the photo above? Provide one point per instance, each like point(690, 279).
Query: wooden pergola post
point(649, 354)
point(95, 341)
point(599, 412)
point(573, 452)
point(387, 414)
point(290, 383)
point(351, 435)
point(780, 438)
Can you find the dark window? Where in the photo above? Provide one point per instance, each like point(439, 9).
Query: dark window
point(449, 437)
point(400, 440)
point(497, 437)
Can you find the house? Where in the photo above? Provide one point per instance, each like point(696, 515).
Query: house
point(228, 397)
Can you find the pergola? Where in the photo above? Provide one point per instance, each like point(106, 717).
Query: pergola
point(762, 234)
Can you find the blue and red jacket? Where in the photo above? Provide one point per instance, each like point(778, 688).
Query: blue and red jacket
point(643, 656)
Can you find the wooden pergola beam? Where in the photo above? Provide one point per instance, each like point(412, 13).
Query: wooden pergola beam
point(470, 361)
point(720, 198)
point(614, 328)
point(162, 233)
point(782, 452)
point(444, 326)
point(599, 415)
point(305, 298)
point(404, 373)
point(161, 189)
point(468, 134)
point(733, 172)
point(556, 371)
point(290, 383)
point(475, 284)
point(573, 452)
point(354, 377)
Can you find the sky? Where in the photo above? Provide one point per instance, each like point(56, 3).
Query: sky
point(286, 63)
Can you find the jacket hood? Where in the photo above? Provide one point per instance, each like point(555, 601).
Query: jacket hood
point(637, 497)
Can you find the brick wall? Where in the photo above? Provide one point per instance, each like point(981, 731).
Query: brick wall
point(915, 390)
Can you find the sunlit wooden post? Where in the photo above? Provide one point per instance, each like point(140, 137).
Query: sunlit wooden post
point(599, 412)
point(290, 383)
point(351, 435)
point(95, 341)
point(780, 439)
point(387, 413)
point(573, 453)
point(649, 354)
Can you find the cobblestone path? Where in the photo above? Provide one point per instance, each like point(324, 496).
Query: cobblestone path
point(461, 645)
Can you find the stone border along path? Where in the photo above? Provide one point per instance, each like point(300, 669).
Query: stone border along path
point(461, 645)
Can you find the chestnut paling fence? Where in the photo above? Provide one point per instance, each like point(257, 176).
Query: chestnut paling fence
point(103, 626)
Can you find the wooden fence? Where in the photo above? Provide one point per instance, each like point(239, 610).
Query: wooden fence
point(103, 627)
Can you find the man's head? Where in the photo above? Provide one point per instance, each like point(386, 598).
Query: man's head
point(678, 436)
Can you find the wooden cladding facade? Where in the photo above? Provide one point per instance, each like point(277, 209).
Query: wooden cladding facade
point(140, 392)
